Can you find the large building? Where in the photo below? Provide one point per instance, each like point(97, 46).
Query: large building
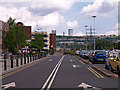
point(25, 29)
point(46, 39)
point(70, 32)
point(53, 39)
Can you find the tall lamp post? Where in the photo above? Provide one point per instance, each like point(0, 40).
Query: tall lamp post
point(86, 36)
point(94, 30)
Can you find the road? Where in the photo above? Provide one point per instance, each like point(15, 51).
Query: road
point(59, 71)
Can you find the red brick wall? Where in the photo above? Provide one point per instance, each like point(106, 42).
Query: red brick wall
point(27, 30)
point(53, 40)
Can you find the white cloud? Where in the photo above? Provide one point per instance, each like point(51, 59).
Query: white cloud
point(79, 34)
point(52, 5)
point(72, 24)
point(100, 8)
point(111, 33)
point(48, 21)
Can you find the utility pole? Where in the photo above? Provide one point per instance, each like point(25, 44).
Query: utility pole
point(86, 36)
point(94, 30)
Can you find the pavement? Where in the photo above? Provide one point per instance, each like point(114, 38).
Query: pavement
point(59, 71)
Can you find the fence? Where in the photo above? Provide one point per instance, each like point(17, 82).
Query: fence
point(21, 60)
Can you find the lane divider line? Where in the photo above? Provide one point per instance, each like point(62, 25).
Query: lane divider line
point(97, 73)
point(93, 72)
point(52, 75)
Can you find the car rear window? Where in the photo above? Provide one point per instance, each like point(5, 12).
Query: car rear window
point(100, 52)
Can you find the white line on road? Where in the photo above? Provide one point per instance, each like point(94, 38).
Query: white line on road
point(54, 70)
point(50, 60)
point(8, 85)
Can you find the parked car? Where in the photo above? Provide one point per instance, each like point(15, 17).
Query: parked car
point(97, 56)
point(80, 53)
point(77, 52)
point(86, 54)
point(113, 62)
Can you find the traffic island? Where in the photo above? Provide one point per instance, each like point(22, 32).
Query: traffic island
point(105, 71)
point(85, 61)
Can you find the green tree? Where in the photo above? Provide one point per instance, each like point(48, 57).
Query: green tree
point(15, 38)
point(11, 22)
point(38, 42)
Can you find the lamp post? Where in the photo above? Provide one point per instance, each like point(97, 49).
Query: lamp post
point(94, 30)
point(86, 36)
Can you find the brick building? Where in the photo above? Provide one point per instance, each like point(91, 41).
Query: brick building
point(53, 40)
point(27, 30)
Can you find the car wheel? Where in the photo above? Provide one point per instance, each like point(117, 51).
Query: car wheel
point(110, 68)
point(106, 67)
point(118, 71)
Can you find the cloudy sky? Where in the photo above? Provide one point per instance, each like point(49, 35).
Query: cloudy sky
point(60, 15)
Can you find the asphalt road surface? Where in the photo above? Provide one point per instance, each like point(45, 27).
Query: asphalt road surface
point(60, 71)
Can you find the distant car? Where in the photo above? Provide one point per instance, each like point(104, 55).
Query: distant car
point(113, 62)
point(98, 56)
point(77, 52)
point(85, 54)
point(80, 53)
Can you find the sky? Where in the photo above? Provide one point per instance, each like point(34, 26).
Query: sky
point(61, 15)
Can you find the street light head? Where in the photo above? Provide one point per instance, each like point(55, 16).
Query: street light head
point(86, 26)
point(94, 16)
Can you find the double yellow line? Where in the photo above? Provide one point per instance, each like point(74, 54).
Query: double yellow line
point(95, 72)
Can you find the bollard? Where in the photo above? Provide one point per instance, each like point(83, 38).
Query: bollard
point(35, 57)
point(11, 61)
point(28, 58)
point(5, 63)
point(17, 61)
point(24, 59)
point(21, 59)
point(41, 55)
point(38, 56)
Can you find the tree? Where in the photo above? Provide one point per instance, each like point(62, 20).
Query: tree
point(14, 38)
point(38, 42)
point(11, 22)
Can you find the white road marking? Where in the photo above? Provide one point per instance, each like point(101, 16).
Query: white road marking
point(75, 66)
point(88, 87)
point(84, 85)
point(57, 66)
point(50, 60)
point(71, 60)
point(55, 74)
point(8, 85)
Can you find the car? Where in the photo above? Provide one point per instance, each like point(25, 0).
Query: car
point(90, 55)
point(77, 52)
point(80, 53)
point(113, 62)
point(86, 54)
point(97, 56)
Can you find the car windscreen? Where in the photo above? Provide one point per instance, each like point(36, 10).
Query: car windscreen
point(100, 53)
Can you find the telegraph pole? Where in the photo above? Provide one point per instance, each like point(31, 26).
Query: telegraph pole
point(94, 30)
point(86, 36)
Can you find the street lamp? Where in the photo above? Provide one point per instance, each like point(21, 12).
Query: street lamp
point(86, 36)
point(94, 30)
